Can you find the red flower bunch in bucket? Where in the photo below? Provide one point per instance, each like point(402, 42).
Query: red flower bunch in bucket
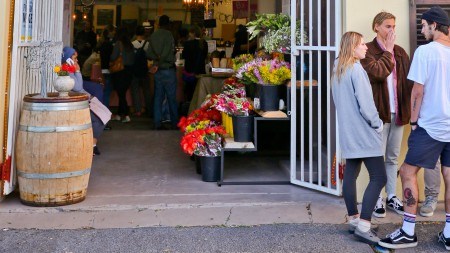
point(201, 114)
point(203, 142)
point(202, 132)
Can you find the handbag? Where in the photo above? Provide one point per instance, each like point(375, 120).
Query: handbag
point(96, 73)
point(117, 64)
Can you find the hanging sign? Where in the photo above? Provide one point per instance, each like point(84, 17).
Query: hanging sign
point(27, 21)
point(240, 9)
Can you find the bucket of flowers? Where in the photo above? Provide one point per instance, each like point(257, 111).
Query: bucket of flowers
point(234, 102)
point(204, 139)
point(268, 75)
point(203, 113)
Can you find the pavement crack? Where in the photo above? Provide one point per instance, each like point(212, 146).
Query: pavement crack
point(93, 220)
point(229, 216)
point(308, 208)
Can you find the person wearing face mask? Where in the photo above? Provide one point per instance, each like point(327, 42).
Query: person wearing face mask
point(360, 130)
point(387, 65)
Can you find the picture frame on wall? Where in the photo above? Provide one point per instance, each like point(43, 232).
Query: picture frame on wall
point(105, 17)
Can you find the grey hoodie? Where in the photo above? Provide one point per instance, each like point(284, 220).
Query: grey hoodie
point(359, 125)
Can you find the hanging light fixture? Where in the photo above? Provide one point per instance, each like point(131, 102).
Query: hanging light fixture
point(213, 3)
point(194, 3)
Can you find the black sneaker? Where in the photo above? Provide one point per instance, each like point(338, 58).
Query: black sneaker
point(399, 240)
point(395, 204)
point(446, 241)
point(96, 150)
point(379, 211)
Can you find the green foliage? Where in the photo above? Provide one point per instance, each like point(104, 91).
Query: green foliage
point(265, 22)
point(277, 32)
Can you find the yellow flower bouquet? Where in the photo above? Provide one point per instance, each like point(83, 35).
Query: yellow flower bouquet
point(271, 72)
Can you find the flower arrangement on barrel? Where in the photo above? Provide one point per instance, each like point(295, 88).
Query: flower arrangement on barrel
point(64, 69)
point(64, 83)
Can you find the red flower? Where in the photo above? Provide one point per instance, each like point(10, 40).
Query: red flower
point(68, 68)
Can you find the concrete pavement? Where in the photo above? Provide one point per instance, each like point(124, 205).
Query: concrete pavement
point(143, 180)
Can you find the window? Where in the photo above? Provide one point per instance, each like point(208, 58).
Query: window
point(417, 7)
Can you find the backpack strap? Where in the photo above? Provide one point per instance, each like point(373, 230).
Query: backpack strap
point(143, 45)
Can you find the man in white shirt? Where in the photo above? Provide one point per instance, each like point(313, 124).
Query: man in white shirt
point(430, 124)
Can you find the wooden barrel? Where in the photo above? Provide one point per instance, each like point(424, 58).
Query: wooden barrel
point(54, 149)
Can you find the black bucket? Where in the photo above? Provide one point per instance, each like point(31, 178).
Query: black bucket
point(269, 97)
point(210, 168)
point(243, 128)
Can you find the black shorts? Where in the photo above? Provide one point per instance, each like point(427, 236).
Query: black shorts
point(424, 151)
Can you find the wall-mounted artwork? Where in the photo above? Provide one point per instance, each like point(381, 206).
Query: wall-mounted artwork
point(105, 17)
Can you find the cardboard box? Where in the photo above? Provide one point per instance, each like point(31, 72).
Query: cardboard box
point(222, 72)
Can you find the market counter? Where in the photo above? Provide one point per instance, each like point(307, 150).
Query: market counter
point(206, 84)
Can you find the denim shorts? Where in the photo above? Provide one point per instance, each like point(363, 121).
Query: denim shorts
point(424, 151)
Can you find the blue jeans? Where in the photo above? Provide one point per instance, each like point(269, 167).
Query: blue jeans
point(107, 89)
point(165, 86)
point(136, 85)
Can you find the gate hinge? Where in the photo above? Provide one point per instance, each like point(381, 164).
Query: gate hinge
point(5, 169)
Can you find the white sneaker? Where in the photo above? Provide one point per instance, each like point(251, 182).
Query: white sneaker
point(428, 207)
point(379, 211)
point(126, 119)
point(115, 117)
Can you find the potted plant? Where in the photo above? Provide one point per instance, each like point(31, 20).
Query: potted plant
point(64, 83)
point(276, 31)
point(268, 75)
point(204, 139)
point(203, 118)
point(233, 101)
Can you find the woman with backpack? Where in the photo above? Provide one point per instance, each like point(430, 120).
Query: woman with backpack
point(122, 79)
point(140, 74)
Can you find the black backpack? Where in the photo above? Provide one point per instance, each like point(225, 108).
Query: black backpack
point(140, 68)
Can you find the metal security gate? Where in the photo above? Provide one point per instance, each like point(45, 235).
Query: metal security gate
point(37, 42)
point(315, 157)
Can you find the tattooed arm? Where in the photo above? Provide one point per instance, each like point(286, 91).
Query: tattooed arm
point(416, 102)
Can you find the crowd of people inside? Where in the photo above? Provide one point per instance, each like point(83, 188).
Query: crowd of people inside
point(93, 58)
point(377, 91)
point(157, 44)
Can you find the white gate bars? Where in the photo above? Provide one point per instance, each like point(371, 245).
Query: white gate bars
point(314, 139)
point(37, 35)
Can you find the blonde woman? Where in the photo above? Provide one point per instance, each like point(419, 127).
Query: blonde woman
point(360, 130)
